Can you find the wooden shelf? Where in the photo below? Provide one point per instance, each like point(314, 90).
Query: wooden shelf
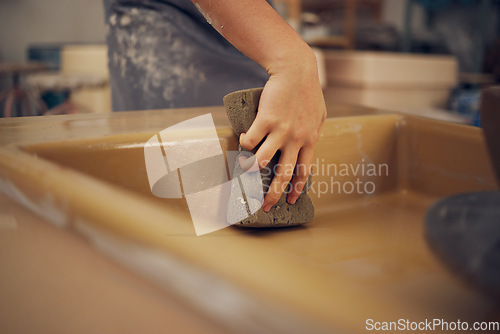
point(350, 8)
point(331, 42)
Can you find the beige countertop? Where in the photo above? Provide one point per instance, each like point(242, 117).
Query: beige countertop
point(52, 281)
point(47, 128)
point(361, 256)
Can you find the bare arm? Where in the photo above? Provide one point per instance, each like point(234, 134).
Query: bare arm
point(292, 108)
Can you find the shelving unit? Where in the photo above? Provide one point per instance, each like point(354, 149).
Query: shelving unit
point(350, 9)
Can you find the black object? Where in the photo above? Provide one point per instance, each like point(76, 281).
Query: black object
point(490, 116)
point(465, 229)
point(49, 54)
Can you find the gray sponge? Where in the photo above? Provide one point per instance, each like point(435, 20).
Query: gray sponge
point(241, 108)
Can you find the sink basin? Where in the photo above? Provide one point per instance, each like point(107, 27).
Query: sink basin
point(363, 257)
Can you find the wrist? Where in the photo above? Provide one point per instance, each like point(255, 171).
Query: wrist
point(298, 59)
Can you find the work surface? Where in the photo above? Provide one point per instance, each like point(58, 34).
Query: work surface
point(363, 256)
point(52, 281)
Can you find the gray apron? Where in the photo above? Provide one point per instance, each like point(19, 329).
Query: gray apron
point(164, 54)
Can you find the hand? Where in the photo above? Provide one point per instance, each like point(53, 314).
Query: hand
point(290, 117)
point(292, 108)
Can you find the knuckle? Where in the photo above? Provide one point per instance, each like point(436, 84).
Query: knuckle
point(270, 120)
point(301, 176)
point(284, 127)
point(263, 159)
point(300, 135)
point(284, 171)
point(299, 183)
point(272, 197)
point(285, 177)
point(297, 137)
point(298, 187)
point(247, 142)
point(302, 171)
point(314, 137)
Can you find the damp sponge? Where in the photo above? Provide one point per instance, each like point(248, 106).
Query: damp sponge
point(241, 107)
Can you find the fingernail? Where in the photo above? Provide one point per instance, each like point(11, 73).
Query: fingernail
point(242, 160)
point(249, 164)
point(267, 208)
point(292, 200)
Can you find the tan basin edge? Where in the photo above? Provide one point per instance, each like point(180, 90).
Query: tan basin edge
point(427, 160)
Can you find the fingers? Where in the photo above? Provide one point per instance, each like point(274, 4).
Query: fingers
point(282, 177)
point(248, 164)
point(268, 149)
point(254, 135)
point(302, 172)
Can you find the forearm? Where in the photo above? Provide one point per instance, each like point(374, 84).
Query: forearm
point(291, 107)
point(258, 31)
